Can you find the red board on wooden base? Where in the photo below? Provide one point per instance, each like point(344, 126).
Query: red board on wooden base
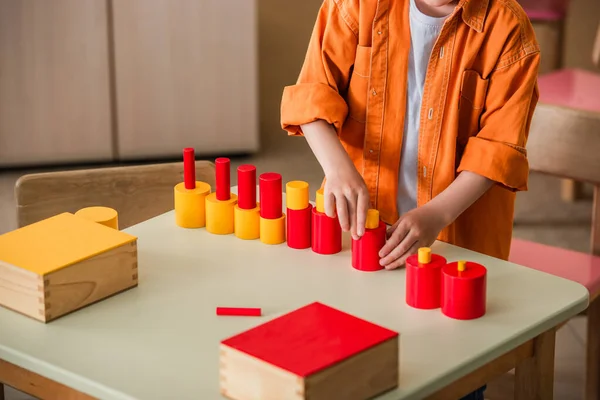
point(315, 352)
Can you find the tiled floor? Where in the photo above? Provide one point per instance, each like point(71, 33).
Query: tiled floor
point(540, 216)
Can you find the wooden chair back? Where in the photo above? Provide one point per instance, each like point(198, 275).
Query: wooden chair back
point(136, 192)
point(566, 143)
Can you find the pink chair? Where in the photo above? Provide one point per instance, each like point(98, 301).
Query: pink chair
point(565, 142)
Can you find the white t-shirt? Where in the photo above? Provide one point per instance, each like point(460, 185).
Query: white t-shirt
point(424, 31)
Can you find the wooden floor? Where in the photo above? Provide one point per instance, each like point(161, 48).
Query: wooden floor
point(540, 216)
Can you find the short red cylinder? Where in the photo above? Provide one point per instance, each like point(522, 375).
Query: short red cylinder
point(271, 193)
point(299, 224)
point(365, 251)
point(223, 181)
point(189, 168)
point(247, 187)
point(424, 282)
point(464, 292)
point(326, 233)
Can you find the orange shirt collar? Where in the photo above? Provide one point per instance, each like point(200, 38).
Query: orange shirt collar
point(474, 12)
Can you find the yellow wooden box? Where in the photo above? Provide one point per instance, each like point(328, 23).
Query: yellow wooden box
point(63, 263)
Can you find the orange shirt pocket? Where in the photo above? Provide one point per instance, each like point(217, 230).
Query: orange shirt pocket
point(473, 92)
point(359, 84)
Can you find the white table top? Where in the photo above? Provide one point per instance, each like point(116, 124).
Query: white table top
point(160, 340)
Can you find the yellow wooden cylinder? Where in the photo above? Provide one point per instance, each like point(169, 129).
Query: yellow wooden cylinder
point(320, 201)
point(190, 205)
point(372, 219)
point(103, 215)
point(272, 231)
point(247, 223)
point(296, 195)
point(424, 255)
point(220, 214)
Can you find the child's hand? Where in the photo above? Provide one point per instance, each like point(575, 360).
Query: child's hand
point(417, 228)
point(346, 190)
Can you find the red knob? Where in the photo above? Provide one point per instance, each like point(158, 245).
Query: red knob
point(271, 192)
point(247, 187)
point(189, 168)
point(223, 180)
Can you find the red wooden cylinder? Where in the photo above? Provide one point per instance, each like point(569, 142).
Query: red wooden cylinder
point(223, 181)
point(246, 187)
point(299, 228)
point(189, 168)
point(271, 193)
point(464, 292)
point(424, 282)
point(365, 251)
point(326, 233)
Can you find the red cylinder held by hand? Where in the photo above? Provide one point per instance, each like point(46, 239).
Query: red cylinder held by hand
point(246, 187)
point(326, 233)
point(271, 193)
point(464, 292)
point(223, 179)
point(299, 228)
point(365, 251)
point(424, 282)
point(189, 168)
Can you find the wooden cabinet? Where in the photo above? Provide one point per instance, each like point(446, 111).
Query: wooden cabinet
point(186, 75)
point(102, 80)
point(54, 82)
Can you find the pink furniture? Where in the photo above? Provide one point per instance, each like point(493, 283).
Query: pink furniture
point(571, 88)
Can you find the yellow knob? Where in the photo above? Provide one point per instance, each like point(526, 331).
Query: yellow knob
point(296, 195)
point(462, 265)
point(320, 201)
point(424, 255)
point(372, 219)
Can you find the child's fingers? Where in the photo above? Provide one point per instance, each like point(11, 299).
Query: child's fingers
point(406, 243)
point(329, 203)
point(362, 206)
point(342, 211)
point(394, 240)
point(402, 260)
point(351, 199)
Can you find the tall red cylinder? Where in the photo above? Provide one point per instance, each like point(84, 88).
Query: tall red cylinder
point(189, 168)
point(326, 233)
point(424, 282)
point(365, 251)
point(223, 181)
point(271, 193)
point(464, 292)
point(299, 228)
point(246, 187)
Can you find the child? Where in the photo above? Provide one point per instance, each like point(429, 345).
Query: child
point(421, 109)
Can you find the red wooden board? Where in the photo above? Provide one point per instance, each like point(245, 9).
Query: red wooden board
point(309, 339)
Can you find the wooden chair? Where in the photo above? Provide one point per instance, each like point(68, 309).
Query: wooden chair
point(136, 192)
point(565, 142)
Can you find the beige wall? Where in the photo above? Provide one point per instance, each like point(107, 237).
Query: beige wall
point(284, 30)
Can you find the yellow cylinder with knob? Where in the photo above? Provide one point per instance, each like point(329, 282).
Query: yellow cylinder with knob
point(247, 223)
point(220, 214)
point(103, 215)
point(297, 195)
point(424, 255)
point(272, 231)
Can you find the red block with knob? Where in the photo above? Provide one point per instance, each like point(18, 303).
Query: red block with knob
point(299, 215)
point(326, 231)
point(365, 251)
point(424, 279)
point(464, 290)
point(272, 218)
point(220, 205)
point(247, 211)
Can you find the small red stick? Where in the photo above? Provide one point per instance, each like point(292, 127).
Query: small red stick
point(271, 192)
point(247, 187)
point(223, 182)
point(239, 311)
point(189, 168)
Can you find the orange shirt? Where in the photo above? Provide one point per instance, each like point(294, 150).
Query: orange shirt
point(479, 96)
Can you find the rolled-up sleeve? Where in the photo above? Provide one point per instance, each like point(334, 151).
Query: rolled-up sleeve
point(498, 151)
point(319, 93)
